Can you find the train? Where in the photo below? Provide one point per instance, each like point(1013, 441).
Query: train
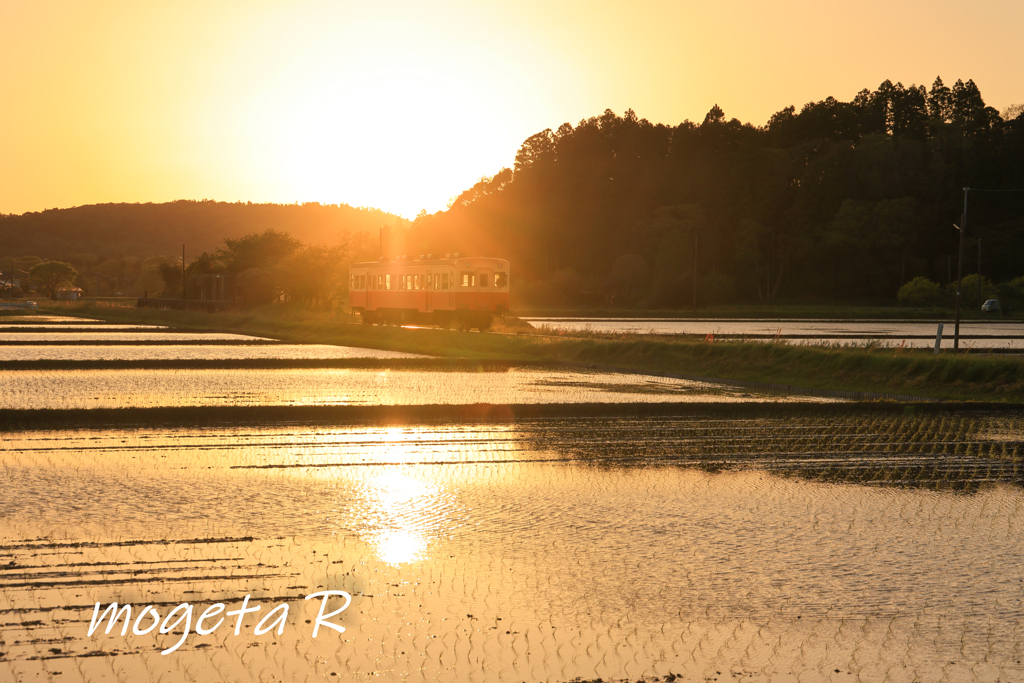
point(454, 291)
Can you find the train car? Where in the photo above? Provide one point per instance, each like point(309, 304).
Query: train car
point(454, 291)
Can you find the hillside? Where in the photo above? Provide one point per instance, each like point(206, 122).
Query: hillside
point(143, 230)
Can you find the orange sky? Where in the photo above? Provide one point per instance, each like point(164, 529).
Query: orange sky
point(402, 104)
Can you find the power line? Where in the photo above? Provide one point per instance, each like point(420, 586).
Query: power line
point(960, 260)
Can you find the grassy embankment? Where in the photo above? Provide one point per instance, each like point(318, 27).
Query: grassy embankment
point(772, 311)
point(913, 372)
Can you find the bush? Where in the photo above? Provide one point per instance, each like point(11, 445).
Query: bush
point(920, 292)
point(1011, 294)
point(970, 291)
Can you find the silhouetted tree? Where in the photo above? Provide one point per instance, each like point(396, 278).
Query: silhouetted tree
point(52, 276)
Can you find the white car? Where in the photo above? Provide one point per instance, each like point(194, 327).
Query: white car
point(990, 306)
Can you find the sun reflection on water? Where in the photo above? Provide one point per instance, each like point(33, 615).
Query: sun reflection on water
point(402, 513)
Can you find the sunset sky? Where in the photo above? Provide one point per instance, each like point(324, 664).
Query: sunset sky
point(401, 105)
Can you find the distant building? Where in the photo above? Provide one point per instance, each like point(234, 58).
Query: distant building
point(69, 293)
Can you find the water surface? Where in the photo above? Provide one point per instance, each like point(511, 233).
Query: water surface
point(864, 548)
point(186, 351)
point(123, 337)
point(854, 331)
point(137, 388)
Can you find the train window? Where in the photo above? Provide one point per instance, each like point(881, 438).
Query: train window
point(362, 282)
point(500, 279)
point(387, 281)
point(484, 279)
point(352, 282)
point(469, 279)
point(415, 281)
point(444, 281)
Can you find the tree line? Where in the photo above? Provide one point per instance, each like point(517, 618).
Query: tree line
point(271, 266)
point(135, 249)
point(113, 231)
point(839, 201)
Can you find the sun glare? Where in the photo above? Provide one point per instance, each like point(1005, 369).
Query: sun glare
point(404, 511)
point(407, 132)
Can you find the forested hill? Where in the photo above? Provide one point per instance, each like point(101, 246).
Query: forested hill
point(837, 199)
point(143, 230)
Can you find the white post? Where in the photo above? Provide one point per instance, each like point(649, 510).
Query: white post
point(938, 339)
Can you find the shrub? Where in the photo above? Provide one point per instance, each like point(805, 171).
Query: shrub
point(1011, 294)
point(920, 292)
point(970, 290)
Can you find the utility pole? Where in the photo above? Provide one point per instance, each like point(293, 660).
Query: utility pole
point(183, 271)
point(979, 274)
point(695, 272)
point(960, 273)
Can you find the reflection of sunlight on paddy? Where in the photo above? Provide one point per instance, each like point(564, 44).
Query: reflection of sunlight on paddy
point(125, 337)
point(352, 386)
point(887, 547)
point(400, 513)
point(81, 327)
point(208, 352)
point(397, 546)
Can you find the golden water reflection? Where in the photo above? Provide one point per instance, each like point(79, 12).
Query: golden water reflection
point(402, 513)
point(137, 388)
point(885, 547)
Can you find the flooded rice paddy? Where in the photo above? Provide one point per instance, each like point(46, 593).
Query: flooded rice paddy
point(120, 337)
point(129, 388)
point(77, 327)
point(820, 544)
point(850, 549)
point(994, 334)
point(42, 319)
point(205, 352)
